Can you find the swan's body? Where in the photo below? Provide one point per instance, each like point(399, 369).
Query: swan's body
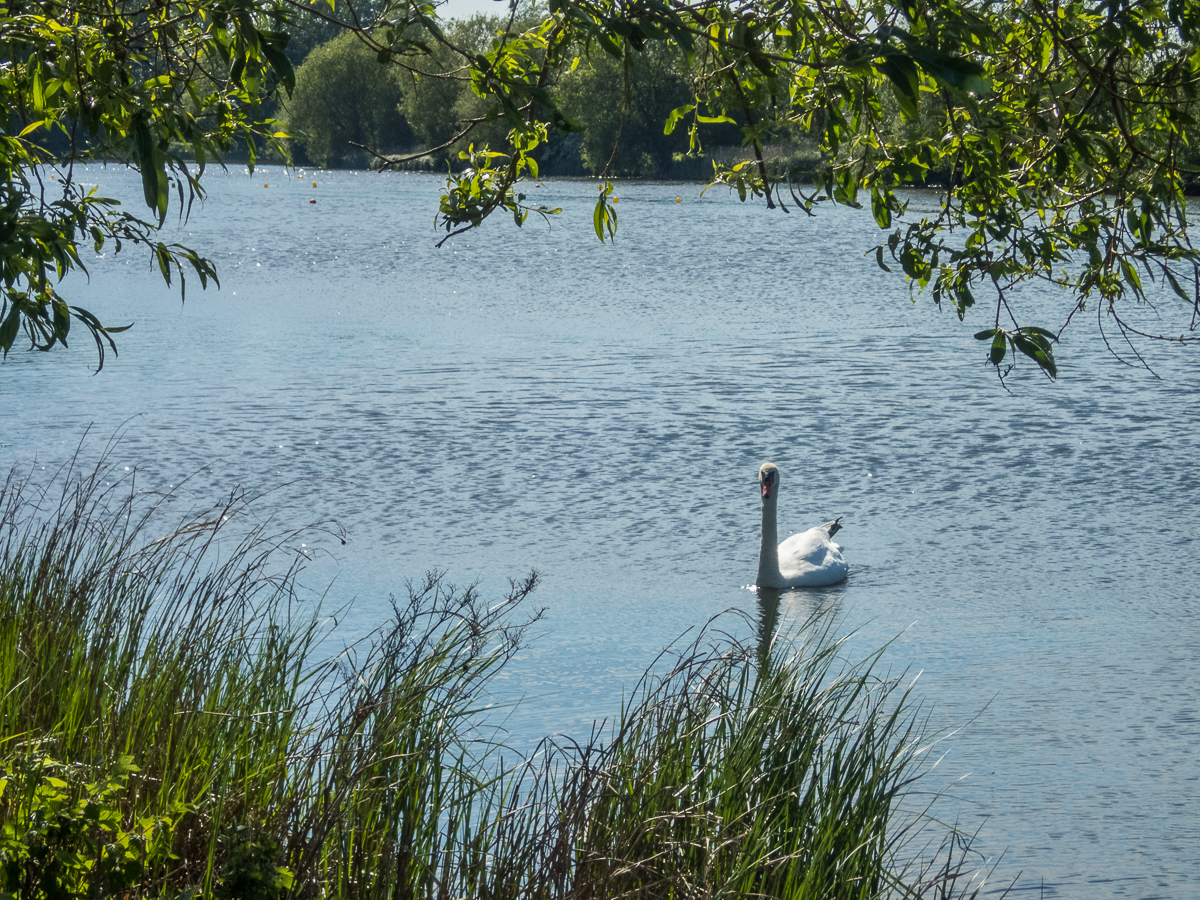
point(807, 559)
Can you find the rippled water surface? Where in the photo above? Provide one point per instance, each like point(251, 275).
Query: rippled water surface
point(532, 399)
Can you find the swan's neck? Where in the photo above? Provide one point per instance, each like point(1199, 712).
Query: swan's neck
point(768, 549)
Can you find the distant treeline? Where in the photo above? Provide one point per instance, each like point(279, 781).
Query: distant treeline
point(347, 110)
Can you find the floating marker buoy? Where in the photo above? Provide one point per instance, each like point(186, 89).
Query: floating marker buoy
point(312, 201)
point(678, 200)
point(264, 185)
point(314, 184)
point(616, 200)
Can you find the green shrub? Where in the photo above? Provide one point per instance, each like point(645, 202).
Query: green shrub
point(253, 867)
point(64, 836)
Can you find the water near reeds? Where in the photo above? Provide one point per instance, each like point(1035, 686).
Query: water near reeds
point(532, 399)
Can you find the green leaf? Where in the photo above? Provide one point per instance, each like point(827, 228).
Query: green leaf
point(879, 259)
point(1131, 275)
point(760, 62)
point(9, 328)
point(163, 255)
point(62, 320)
point(1040, 332)
point(598, 218)
point(273, 44)
point(610, 45)
point(677, 114)
point(151, 164)
point(956, 72)
point(880, 209)
point(902, 73)
point(604, 217)
point(1177, 287)
point(1037, 349)
point(999, 348)
point(35, 88)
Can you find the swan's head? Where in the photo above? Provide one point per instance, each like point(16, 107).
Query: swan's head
point(768, 480)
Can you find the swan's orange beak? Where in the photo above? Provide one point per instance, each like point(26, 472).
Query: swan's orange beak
point(767, 483)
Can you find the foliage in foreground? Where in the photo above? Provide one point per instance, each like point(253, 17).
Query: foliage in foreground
point(175, 723)
point(1060, 135)
point(165, 88)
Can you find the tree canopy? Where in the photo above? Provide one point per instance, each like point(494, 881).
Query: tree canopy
point(164, 87)
point(1058, 134)
point(343, 98)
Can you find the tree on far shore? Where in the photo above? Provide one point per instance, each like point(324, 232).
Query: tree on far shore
point(345, 100)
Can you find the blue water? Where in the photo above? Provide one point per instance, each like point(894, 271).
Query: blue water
point(532, 399)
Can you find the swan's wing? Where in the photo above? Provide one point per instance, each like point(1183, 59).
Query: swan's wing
point(812, 547)
point(810, 557)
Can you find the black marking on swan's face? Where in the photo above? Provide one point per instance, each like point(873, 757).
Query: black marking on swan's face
point(766, 478)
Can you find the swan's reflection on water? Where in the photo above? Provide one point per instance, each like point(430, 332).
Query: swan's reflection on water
point(785, 611)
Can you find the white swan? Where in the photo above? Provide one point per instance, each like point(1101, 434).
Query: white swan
point(807, 559)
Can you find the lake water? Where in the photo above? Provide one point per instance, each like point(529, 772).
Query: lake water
point(533, 399)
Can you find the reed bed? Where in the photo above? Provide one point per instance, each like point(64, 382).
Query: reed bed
point(174, 723)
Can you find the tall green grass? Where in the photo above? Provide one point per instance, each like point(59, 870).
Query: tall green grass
point(168, 678)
